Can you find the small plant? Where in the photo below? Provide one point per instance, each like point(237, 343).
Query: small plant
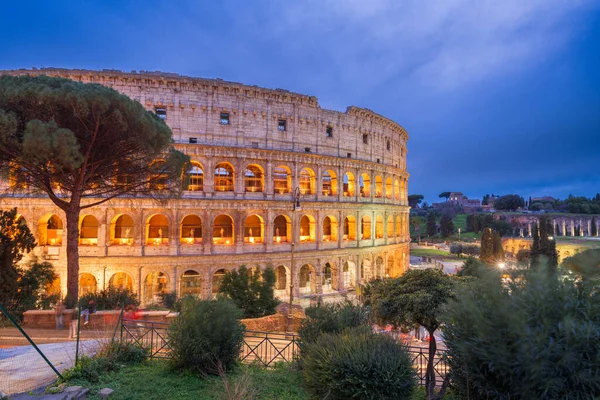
point(110, 299)
point(168, 299)
point(251, 292)
point(358, 364)
point(239, 387)
point(206, 334)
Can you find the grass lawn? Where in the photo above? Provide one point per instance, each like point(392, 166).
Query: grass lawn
point(153, 380)
point(460, 221)
point(428, 252)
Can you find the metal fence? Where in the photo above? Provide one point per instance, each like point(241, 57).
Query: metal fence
point(265, 348)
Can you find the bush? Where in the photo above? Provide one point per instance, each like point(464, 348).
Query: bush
point(110, 299)
point(358, 364)
point(206, 334)
point(329, 318)
point(536, 338)
point(253, 293)
point(168, 300)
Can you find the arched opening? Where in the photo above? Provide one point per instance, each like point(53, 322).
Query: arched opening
point(282, 179)
point(87, 284)
point(88, 231)
point(348, 272)
point(121, 280)
point(329, 183)
point(155, 285)
point(216, 281)
point(366, 227)
point(397, 189)
point(224, 177)
point(191, 230)
point(253, 229)
point(307, 229)
point(280, 229)
point(398, 225)
point(190, 283)
point(365, 185)
point(223, 230)
point(157, 230)
point(51, 231)
point(389, 188)
point(307, 276)
point(122, 230)
point(307, 181)
point(159, 179)
point(196, 177)
point(349, 228)
point(349, 185)
point(330, 228)
point(390, 227)
point(254, 179)
point(379, 227)
point(365, 271)
point(281, 278)
point(379, 267)
point(378, 186)
point(326, 280)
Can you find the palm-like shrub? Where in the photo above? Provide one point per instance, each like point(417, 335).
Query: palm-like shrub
point(535, 338)
point(358, 364)
point(207, 335)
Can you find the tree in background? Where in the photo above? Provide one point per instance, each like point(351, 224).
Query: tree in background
point(415, 199)
point(485, 200)
point(15, 240)
point(417, 297)
point(470, 223)
point(446, 225)
point(476, 223)
point(485, 221)
point(503, 228)
point(35, 288)
point(585, 265)
point(251, 292)
point(471, 267)
point(431, 225)
point(75, 141)
point(497, 247)
point(509, 202)
point(487, 246)
point(445, 195)
point(543, 249)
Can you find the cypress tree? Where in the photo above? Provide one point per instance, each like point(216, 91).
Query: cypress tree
point(544, 248)
point(470, 223)
point(446, 225)
point(497, 247)
point(431, 226)
point(487, 246)
point(476, 224)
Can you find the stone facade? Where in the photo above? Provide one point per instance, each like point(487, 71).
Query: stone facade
point(251, 148)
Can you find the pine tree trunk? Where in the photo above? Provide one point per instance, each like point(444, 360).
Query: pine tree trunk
point(430, 373)
point(72, 255)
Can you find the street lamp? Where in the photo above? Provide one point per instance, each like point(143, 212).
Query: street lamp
point(295, 207)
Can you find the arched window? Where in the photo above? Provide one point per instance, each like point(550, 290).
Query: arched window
point(224, 177)
point(349, 184)
point(87, 284)
point(398, 226)
point(365, 185)
point(282, 179)
point(190, 283)
point(280, 229)
point(366, 227)
point(330, 228)
point(253, 179)
point(397, 189)
point(223, 230)
point(378, 186)
point(196, 178)
point(349, 228)
point(155, 285)
point(379, 227)
point(191, 230)
point(329, 183)
point(159, 177)
point(88, 232)
point(253, 229)
point(307, 181)
point(122, 230)
point(121, 280)
point(307, 229)
point(389, 188)
point(157, 230)
point(216, 280)
point(307, 278)
point(326, 278)
point(390, 227)
point(51, 231)
point(379, 267)
point(281, 278)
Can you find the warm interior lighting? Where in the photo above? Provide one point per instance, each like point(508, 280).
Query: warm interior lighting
point(52, 241)
point(251, 239)
point(278, 239)
point(227, 241)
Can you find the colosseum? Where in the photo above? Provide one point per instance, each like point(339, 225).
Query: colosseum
point(254, 152)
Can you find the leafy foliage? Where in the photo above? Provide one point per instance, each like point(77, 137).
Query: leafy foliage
point(252, 293)
point(509, 202)
point(446, 225)
point(470, 249)
point(431, 225)
point(358, 364)
point(472, 267)
point(415, 199)
point(15, 240)
point(533, 338)
point(206, 334)
point(110, 299)
point(586, 265)
point(543, 249)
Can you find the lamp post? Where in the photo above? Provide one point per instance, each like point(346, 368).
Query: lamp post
point(295, 207)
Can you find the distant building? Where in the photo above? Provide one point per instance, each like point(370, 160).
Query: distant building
point(543, 199)
point(457, 199)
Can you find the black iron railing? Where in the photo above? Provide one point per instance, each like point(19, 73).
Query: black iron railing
point(151, 335)
point(268, 348)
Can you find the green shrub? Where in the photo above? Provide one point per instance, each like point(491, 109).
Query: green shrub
point(168, 299)
point(536, 338)
point(124, 353)
point(358, 364)
point(329, 318)
point(110, 299)
point(205, 334)
point(251, 292)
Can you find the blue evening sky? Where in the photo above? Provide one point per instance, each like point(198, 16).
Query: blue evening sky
point(497, 96)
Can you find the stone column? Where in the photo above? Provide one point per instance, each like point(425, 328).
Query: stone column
point(207, 231)
point(319, 229)
point(340, 182)
point(529, 234)
point(238, 226)
point(554, 232)
point(268, 187)
point(572, 228)
point(318, 182)
point(589, 227)
point(175, 280)
point(268, 236)
point(564, 228)
point(340, 226)
point(209, 177)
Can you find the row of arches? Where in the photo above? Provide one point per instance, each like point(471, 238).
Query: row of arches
point(224, 180)
point(222, 229)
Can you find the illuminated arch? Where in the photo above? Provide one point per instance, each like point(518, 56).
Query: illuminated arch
point(307, 228)
point(281, 227)
point(196, 177)
point(155, 284)
point(350, 228)
point(282, 179)
point(191, 229)
point(254, 229)
point(88, 231)
point(389, 188)
point(306, 181)
point(329, 183)
point(121, 230)
point(378, 186)
point(224, 177)
point(330, 229)
point(157, 230)
point(87, 284)
point(223, 230)
point(365, 185)
point(254, 178)
point(121, 280)
point(190, 283)
point(365, 229)
point(349, 185)
point(51, 230)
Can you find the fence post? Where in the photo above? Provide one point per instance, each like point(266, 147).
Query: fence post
point(16, 324)
point(78, 330)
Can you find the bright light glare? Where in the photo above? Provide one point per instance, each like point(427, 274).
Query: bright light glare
point(501, 265)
